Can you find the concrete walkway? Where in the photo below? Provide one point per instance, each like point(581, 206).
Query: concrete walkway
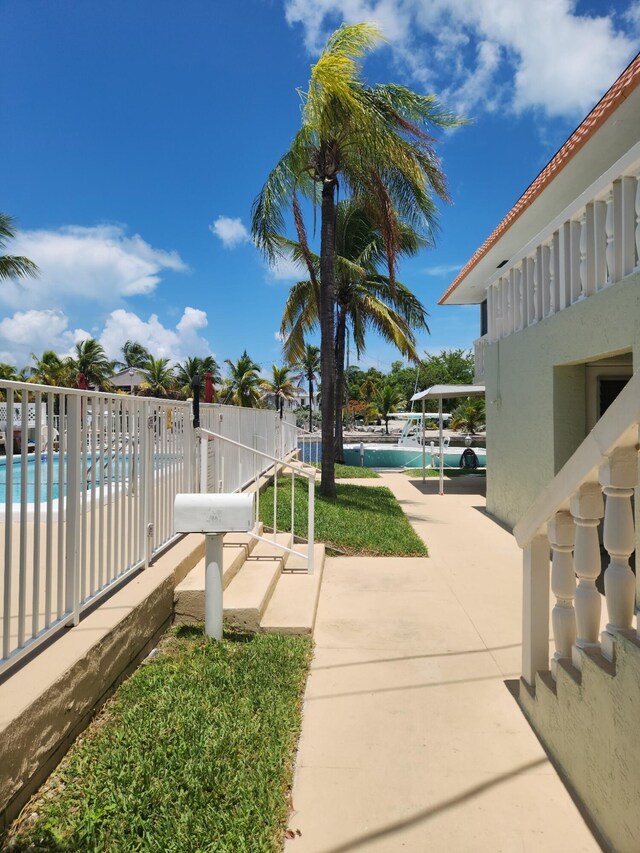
point(411, 739)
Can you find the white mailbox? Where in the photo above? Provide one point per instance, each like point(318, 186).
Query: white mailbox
point(204, 513)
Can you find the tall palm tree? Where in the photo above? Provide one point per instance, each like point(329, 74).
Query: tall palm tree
point(134, 354)
point(91, 359)
point(371, 140)
point(159, 380)
point(13, 266)
point(365, 299)
point(279, 386)
point(308, 365)
point(242, 388)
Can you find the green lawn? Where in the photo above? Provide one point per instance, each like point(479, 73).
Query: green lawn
point(362, 519)
point(345, 472)
point(193, 753)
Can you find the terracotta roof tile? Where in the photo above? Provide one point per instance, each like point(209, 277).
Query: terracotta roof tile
point(609, 102)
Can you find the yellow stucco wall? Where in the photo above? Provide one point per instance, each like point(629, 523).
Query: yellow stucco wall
point(535, 392)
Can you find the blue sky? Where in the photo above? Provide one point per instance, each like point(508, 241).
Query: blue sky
point(135, 137)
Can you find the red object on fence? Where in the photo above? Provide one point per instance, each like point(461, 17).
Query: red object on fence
point(208, 387)
point(82, 382)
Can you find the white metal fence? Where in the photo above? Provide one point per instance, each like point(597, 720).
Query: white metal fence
point(87, 491)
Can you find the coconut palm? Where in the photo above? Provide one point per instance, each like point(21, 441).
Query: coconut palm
point(242, 388)
point(195, 366)
point(12, 266)
point(386, 402)
point(365, 299)
point(91, 360)
point(371, 140)
point(308, 366)
point(159, 380)
point(279, 386)
point(469, 415)
point(50, 369)
point(134, 354)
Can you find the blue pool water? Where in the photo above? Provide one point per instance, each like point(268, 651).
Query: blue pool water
point(392, 456)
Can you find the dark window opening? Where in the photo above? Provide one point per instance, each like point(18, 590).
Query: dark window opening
point(484, 325)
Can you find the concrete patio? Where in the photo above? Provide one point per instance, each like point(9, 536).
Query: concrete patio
point(411, 738)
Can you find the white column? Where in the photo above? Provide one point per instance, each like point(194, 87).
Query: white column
point(583, 256)
point(609, 237)
point(587, 509)
point(618, 476)
point(563, 586)
point(535, 608)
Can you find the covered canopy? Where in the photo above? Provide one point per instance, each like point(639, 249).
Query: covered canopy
point(439, 393)
point(448, 391)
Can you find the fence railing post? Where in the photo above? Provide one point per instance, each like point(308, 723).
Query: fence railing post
point(147, 480)
point(72, 509)
point(535, 608)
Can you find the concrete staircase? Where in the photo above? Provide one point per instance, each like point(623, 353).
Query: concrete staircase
point(265, 588)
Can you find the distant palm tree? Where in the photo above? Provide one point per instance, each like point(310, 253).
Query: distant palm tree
point(159, 380)
point(91, 359)
point(50, 369)
point(309, 366)
point(134, 354)
point(386, 401)
point(469, 415)
point(242, 388)
point(196, 366)
point(279, 386)
point(12, 266)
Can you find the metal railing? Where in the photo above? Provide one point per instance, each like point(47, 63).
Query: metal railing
point(89, 494)
point(309, 446)
point(212, 479)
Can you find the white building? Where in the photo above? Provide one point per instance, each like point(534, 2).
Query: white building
point(558, 282)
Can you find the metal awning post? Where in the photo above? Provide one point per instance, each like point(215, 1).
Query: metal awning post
point(424, 447)
point(441, 446)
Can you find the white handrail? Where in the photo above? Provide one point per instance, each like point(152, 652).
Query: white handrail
point(276, 463)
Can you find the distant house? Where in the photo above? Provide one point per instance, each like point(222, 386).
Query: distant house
point(128, 379)
point(299, 400)
point(558, 282)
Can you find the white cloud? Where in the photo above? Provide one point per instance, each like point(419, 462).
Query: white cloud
point(161, 341)
point(492, 54)
point(279, 337)
point(98, 264)
point(442, 269)
point(35, 331)
point(284, 269)
point(231, 231)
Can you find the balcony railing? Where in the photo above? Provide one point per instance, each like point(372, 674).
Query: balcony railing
point(591, 245)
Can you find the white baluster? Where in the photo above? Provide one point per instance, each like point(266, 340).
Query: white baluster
point(587, 508)
point(583, 256)
point(608, 230)
point(618, 476)
point(552, 277)
point(563, 585)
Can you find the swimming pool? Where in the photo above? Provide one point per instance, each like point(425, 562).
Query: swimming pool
point(101, 469)
point(392, 456)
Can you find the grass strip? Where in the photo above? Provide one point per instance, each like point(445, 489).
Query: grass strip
point(361, 520)
point(448, 472)
point(194, 752)
point(352, 472)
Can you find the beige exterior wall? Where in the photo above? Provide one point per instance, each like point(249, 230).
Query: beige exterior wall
point(589, 724)
point(536, 392)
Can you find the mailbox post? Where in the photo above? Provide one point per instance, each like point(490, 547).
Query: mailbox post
point(213, 515)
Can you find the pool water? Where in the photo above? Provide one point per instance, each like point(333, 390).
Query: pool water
point(392, 456)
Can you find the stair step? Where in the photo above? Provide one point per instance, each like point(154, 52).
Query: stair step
point(294, 603)
point(188, 600)
point(249, 593)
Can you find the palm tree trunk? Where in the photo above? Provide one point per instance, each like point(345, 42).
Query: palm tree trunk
point(327, 339)
point(341, 333)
